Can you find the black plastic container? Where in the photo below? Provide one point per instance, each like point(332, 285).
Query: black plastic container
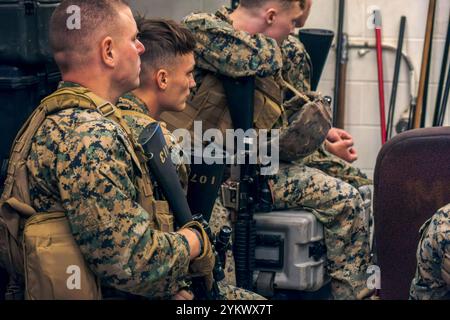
point(24, 26)
point(19, 95)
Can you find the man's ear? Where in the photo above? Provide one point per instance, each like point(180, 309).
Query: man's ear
point(270, 16)
point(162, 79)
point(108, 52)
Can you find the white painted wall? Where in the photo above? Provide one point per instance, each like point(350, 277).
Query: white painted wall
point(362, 114)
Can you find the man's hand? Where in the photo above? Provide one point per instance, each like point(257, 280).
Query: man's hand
point(183, 295)
point(340, 143)
point(202, 265)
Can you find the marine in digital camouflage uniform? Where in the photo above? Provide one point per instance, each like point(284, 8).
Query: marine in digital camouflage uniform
point(80, 160)
point(297, 71)
point(432, 278)
point(169, 52)
point(222, 49)
point(137, 124)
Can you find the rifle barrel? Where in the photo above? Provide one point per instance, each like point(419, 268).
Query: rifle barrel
point(398, 63)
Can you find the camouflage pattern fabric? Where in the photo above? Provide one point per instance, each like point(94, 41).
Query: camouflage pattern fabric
point(336, 167)
point(335, 203)
point(221, 216)
point(131, 102)
point(297, 71)
point(309, 124)
point(433, 250)
point(296, 64)
point(338, 206)
point(221, 49)
point(80, 160)
point(230, 292)
point(216, 45)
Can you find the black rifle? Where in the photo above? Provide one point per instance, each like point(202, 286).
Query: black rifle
point(398, 62)
point(205, 179)
point(248, 191)
point(242, 197)
point(164, 172)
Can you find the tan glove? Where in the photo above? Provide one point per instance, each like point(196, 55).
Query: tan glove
point(446, 269)
point(203, 265)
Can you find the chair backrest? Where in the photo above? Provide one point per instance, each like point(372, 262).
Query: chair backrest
point(412, 181)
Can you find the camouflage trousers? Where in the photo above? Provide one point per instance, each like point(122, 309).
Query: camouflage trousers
point(338, 206)
point(334, 203)
point(336, 167)
point(220, 217)
point(230, 292)
point(434, 247)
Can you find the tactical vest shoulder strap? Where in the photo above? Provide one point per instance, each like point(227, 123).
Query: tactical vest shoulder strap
point(15, 203)
point(269, 87)
point(295, 91)
point(209, 105)
point(61, 99)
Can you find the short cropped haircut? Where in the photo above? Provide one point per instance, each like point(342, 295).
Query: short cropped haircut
point(258, 3)
point(163, 40)
point(96, 20)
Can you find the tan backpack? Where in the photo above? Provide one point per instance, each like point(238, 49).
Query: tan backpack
point(37, 248)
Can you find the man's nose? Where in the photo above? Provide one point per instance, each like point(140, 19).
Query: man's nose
point(141, 48)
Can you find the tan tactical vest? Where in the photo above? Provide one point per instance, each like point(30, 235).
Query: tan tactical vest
point(209, 105)
point(37, 248)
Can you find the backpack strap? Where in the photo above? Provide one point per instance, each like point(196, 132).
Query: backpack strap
point(61, 99)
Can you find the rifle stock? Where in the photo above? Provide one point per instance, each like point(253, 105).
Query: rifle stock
point(164, 172)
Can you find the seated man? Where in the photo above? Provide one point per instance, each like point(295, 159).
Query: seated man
point(246, 43)
point(166, 79)
point(432, 279)
point(337, 152)
point(85, 171)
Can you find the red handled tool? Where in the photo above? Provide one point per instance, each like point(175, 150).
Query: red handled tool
point(377, 14)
